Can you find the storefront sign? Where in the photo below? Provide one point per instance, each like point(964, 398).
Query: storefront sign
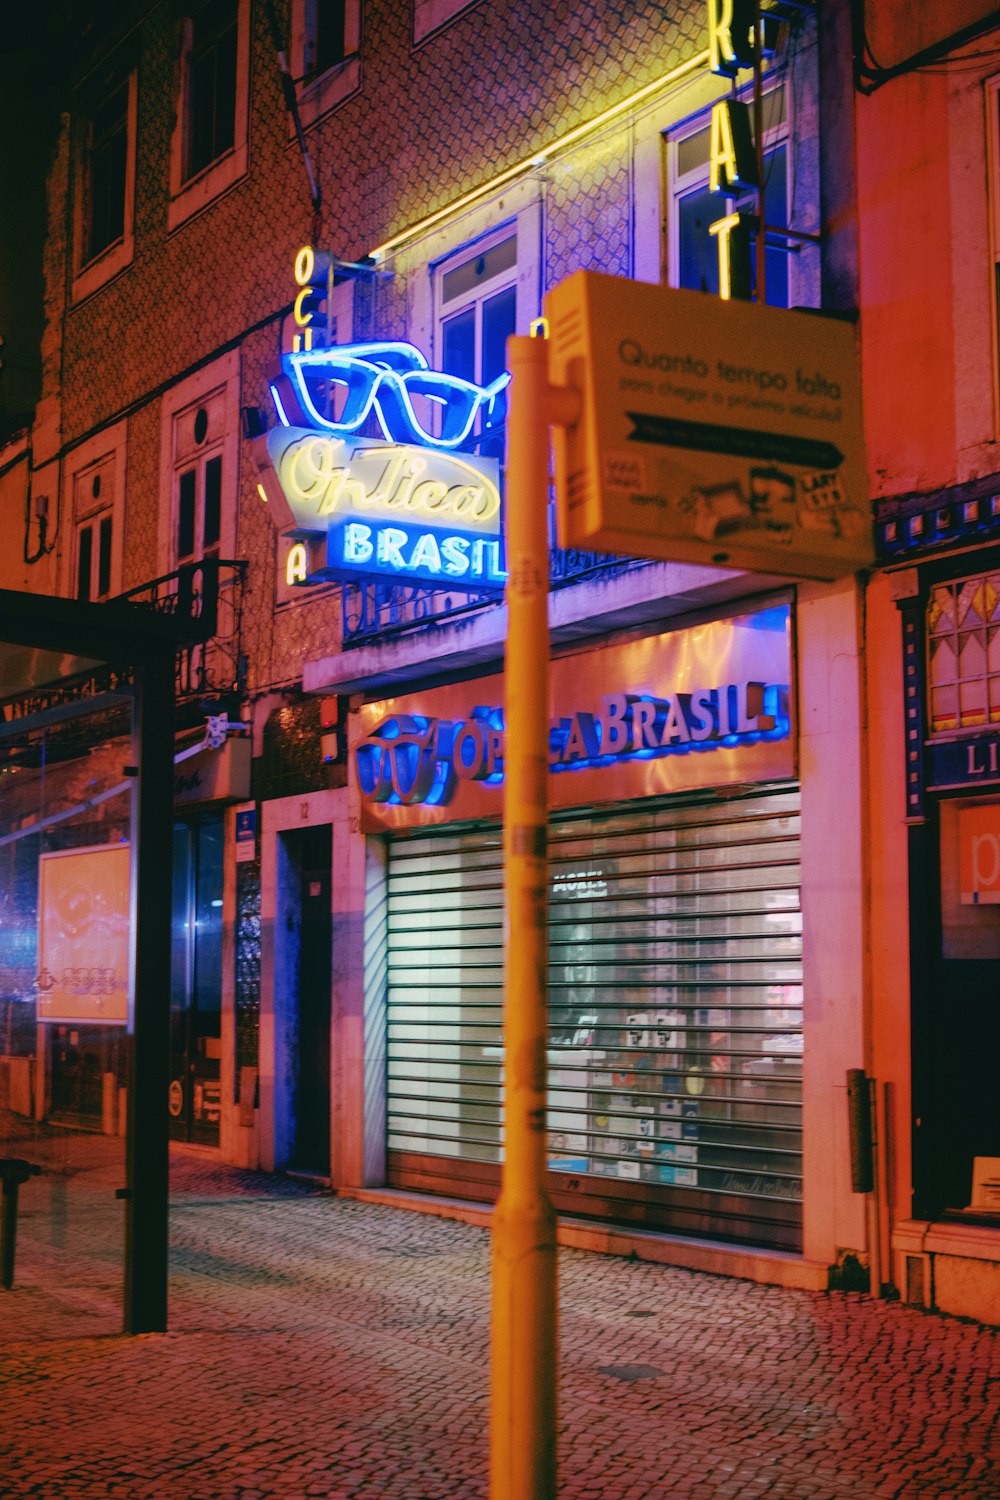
point(710, 432)
point(83, 935)
point(736, 28)
point(312, 287)
point(730, 36)
point(386, 510)
point(973, 760)
point(693, 708)
point(409, 506)
point(214, 775)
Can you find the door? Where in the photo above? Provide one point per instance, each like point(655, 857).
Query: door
point(196, 981)
point(309, 861)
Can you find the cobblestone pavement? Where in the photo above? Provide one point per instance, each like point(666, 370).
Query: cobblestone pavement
point(321, 1347)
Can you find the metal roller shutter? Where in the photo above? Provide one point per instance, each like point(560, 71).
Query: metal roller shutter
point(675, 1032)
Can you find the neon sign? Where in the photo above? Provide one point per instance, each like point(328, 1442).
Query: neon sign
point(411, 759)
point(736, 29)
point(313, 280)
point(386, 509)
point(322, 477)
point(340, 389)
point(409, 504)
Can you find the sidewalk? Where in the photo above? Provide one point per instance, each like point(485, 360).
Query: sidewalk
point(322, 1347)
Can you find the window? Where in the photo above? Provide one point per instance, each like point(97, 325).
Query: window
point(325, 62)
point(105, 184)
point(200, 466)
point(429, 15)
point(93, 558)
point(694, 257)
point(477, 310)
point(209, 143)
point(94, 479)
point(963, 649)
point(211, 101)
point(198, 437)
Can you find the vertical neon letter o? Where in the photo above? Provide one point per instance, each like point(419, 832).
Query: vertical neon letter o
point(305, 265)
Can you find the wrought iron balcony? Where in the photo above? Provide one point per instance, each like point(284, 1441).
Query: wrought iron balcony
point(212, 592)
point(375, 611)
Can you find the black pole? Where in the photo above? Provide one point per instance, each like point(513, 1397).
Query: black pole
point(147, 1145)
point(8, 1233)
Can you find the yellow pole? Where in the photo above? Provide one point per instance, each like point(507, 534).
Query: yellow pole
point(524, 1373)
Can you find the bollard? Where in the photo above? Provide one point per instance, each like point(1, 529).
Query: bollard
point(13, 1171)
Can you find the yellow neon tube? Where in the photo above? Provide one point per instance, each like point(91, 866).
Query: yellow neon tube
point(537, 158)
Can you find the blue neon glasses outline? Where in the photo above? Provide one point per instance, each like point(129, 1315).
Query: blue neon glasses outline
point(383, 378)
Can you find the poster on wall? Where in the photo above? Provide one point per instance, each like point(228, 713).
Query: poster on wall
point(83, 935)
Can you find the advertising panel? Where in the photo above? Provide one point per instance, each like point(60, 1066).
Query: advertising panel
point(979, 855)
point(83, 935)
point(714, 432)
point(708, 705)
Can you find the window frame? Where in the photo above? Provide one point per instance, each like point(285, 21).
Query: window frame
point(476, 297)
point(681, 185)
point(222, 375)
point(90, 272)
point(319, 93)
point(188, 195)
point(980, 629)
point(520, 208)
point(87, 511)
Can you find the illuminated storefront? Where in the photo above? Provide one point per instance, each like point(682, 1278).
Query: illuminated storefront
point(675, 970)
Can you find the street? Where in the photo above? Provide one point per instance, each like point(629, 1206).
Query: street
point(325, 1347)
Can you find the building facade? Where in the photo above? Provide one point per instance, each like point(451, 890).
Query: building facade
point(927, 135)
point(337, 965)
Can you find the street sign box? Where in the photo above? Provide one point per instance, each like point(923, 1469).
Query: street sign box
point(714, 432)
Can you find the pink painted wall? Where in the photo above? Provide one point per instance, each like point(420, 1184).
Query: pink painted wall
point(904, 208)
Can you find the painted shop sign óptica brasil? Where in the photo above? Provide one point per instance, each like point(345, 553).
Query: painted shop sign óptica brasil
point(705, 706)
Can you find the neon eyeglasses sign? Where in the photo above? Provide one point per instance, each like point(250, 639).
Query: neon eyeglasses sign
point(383, 381)
point(430, 508)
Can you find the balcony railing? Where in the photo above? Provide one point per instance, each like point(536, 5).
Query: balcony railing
point(212, 592)
point(374, 611)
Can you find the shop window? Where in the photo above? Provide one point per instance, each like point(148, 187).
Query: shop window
point(209, 144)
point(693, 252)
point(477, 312)
point(199, 521)
point(956, 1022)
point(325, 47)
point(963, 645)
point(105, 185)
point(429, 15)
point(95, 561)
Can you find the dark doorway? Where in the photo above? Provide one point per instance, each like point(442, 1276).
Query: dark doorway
point(957, 1023)
point(194, 1100)
point(309, 860)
